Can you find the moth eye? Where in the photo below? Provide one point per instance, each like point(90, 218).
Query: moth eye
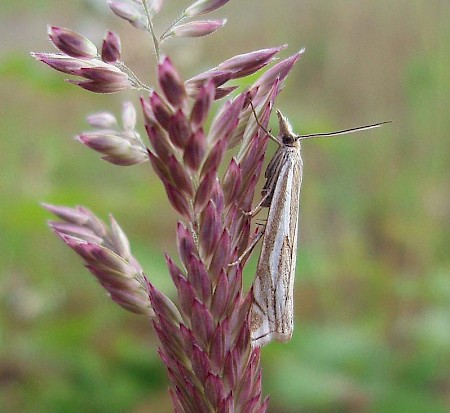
point(288, 139)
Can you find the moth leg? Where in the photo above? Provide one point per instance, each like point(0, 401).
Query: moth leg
point(258, 207)
point(249, 249)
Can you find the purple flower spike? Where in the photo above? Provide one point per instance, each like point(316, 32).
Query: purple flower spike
point(245, 64)
point(72, 215)
point(197, 28)
point(111, 48)
point(116, 149)
point(200, 363)
point(232, 182)
point(200, 402)
point(226, 405)
point(163, 113)
point(179, 129)
point(59, 62)
point(104, 74)
point(221, 92)
point(129, 13)
point(198, 278)
point(217, 197)
point(279, 71)
point(149, 116)
point(119, 147)
point(211, 229)
point(171, 83)
point(176, 273)
point(195, 150)
point(221, 255)
point(159, 167)
point(155, 5)
point(159, 141)
point(214, 158)
point(186, 244)
point(204, 192)
point(179, 175)
point(102, 120)
point(72, 43)
point(102, 79)
point(128, 116)
point(219, 77)
point(178, 201)
point(163, 306)
point(214, 389)
point(202, 103)
point(75, 231)
point(219, 345)
point(106, 253)
point(230, 369)
point(120, 241)
point(170, 335)
point(202, 323)
point(186, 297)
point(227, 120)
point(204, 6)
point(220, 298)
point(264, 406)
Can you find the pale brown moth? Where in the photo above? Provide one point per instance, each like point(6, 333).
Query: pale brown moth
point(272, 308)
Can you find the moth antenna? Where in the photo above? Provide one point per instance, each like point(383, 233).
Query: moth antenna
point(262, 127)
point(343, 131)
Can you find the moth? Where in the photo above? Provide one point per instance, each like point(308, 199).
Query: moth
point(273, 288)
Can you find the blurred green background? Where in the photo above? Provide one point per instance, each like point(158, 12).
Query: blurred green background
point(373, 280)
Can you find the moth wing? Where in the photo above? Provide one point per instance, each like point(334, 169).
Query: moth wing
point(272, 308)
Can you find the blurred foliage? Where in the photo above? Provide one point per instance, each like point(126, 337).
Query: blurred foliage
point(373, 279)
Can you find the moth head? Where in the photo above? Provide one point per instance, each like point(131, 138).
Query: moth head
point(286, 135)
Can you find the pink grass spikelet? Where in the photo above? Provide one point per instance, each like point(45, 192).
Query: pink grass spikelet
point(180, 129)
point(180, 176)
point(71, 43)
point(128, 12)
point(119, 147)
point(232, 181)
point(178, 200)
point(217, 197)
point(102, 120)
point(197, 28)
point(203, 194)
point(210, 229)
point(160, 142)
point(202, 103)
point(161, 110)
point(204, 6)
point(60, 62)
point(195, 150)
point(111, 48)
point(155, 5)
point(99, 87)
point(171, 83)
point(185, 243)
point(159, 167)
point(221, 255)
point(128, 116)
point(214, 158)
point(248, 63)
point(106, 254)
